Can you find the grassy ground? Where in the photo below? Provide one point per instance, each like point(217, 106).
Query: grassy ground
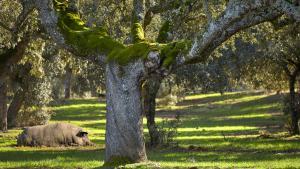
point(215, 132)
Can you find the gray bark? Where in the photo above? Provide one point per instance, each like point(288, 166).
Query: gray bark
point(124, 125)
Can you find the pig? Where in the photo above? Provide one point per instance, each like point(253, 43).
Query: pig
point(53, 135)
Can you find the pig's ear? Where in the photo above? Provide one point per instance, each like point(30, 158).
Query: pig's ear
point(82, 134)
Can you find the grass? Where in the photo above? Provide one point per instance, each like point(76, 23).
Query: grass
point(215, 132)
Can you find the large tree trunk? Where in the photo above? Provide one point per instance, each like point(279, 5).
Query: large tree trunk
point(294, 111)
point(3, 103)
point(68, 78)
point(150, 89)
point(124, 125)
point(15, 107)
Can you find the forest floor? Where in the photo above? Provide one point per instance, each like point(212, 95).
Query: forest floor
point(229, 131)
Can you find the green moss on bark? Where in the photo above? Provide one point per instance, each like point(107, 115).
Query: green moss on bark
point(85, 40)
point(172, 50)
point(137, 32)
point(133, 52)
point(163, 32)
point(96, 40)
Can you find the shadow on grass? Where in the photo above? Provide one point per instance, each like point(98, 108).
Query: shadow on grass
point(81, 101)
point(41, 155)
point(97, 125)
point(253, 113)
point(171, 156)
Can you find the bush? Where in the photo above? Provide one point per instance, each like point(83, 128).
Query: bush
point(170, 93)
point(33, 116)
point(37, 97)
point(167, 132)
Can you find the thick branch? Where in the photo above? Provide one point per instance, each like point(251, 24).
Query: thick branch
point(69, 31)
point(237, 16)
point(138, 15)
point(49, 20)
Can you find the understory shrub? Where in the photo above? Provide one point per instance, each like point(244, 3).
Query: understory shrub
point(167, 132)
point(33, 116)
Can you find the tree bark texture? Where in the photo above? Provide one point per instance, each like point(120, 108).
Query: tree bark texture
point(150, 89)
point(124, 125)
point(14, 108)
point(294, 111)
point(3, 103)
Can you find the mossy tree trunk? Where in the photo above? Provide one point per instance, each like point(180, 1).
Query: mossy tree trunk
point(150, 90)
point(124, 125)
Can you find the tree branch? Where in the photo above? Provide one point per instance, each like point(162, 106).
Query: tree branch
point(138, 16)
point(237, 16)
point(49, 20)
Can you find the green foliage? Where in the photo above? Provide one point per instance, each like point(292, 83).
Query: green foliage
point(31, 116)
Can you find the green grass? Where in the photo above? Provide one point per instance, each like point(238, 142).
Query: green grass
point(215, 132)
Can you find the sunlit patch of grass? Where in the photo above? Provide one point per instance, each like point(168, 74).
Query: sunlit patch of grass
point(225, 130)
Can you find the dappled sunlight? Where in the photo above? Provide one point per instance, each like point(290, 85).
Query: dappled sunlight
point(224, 131)
point(247, 116)
point(78, 106)
point(218, 128)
